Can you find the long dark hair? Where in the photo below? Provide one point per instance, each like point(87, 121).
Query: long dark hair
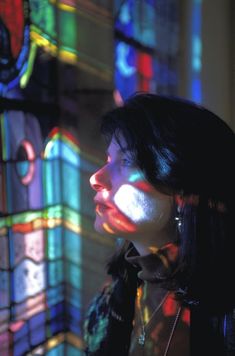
point(186, 150)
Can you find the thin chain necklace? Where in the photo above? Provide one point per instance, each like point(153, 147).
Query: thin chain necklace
point(142, 336)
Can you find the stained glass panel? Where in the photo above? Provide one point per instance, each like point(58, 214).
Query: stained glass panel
point(39, 270)
point(146, 47)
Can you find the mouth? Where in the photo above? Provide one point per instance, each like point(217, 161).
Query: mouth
point(101, 208)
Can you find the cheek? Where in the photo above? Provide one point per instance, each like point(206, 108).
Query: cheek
point(113, 221)
point(138, 206)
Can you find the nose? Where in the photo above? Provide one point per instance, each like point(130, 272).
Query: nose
point(100, 180)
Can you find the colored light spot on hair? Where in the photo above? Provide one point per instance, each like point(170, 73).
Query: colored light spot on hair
point(153, 249)
point(186, 316)
point(169, 308)
point(108, 228)
point(172, 252)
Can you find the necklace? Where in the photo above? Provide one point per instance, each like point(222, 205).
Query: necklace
point(142, 336)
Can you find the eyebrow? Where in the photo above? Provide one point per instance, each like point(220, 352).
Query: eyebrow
point(120, 150)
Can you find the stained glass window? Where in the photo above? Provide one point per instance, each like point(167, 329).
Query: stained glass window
point(196, 51)
point(40, 242)
point(15, 42)
point(146, 47)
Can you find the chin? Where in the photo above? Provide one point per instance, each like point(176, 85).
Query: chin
point(99, 226)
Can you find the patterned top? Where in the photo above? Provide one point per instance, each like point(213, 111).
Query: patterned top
point(166, 321)
point(113, 323)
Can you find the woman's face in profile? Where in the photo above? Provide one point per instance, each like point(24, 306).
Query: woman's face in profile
point(126, 204)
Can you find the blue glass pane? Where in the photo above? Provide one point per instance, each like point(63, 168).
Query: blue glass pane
point(57, 325)
point(54, 243)
point(22, 168)
point(125, 69)
point(52, 182)
point(21, 333)
point(4, 263)
point(29, 279)
point(144, 23)
point(73, 274)
point(73, 351)
point(21, 340)
point(74, 317)
point(21, 347)
point(37, 320)
point(71, 185)
point(4, 289)
point(57, 310)
point(124, 22)
point(73, 296)
point(55, 272)
point(72, 246)
point(55, 295)
point(37, 335)
point(69, 155)
point(57, 351)
point(57, 319)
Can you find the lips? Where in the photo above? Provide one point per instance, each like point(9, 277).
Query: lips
point(101, 207)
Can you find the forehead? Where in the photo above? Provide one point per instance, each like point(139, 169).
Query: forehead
point(117, 147)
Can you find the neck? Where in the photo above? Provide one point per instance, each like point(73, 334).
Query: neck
point(147, 246)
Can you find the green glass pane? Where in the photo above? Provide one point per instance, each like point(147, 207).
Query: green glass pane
point(68, 29)
point(42, 15)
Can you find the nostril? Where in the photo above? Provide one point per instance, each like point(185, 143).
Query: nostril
point(94, 184)
point(100, 181)
point(97, 187)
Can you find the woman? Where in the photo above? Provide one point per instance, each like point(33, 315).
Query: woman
point(168, 188)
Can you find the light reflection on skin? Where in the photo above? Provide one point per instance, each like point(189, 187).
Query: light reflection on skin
point(127, 205)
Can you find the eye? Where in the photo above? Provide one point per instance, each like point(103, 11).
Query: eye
point(127, 162)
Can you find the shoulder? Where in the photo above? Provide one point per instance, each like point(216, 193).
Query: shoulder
point(110, 314)
point(98, 318)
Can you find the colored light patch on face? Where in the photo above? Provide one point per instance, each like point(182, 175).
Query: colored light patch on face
point(138, 206)
point(139, 181)
point(116, 221)
point(136, 177)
